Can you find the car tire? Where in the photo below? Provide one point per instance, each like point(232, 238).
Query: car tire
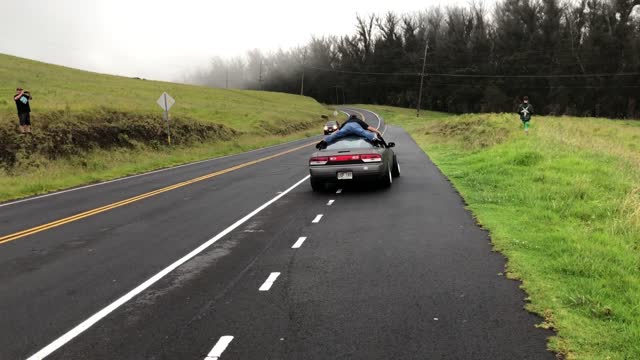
point(387, 180)
point(317, 185)
point(395, 171)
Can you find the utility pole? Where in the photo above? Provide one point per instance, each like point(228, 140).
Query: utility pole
point(304, 59)
point(260, 76)
point(424, 63)
point(337, 101)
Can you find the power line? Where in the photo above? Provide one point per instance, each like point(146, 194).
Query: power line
point(361, 72)
point(539, 76)
point(475, 75)
point(557, 87)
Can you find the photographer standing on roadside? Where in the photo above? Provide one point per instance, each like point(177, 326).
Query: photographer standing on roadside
point(22, 99)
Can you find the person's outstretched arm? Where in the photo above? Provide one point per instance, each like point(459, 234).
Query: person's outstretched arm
point(17, 97)
point(372, 129)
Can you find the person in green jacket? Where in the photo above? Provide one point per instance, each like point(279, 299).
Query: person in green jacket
point(525, 110)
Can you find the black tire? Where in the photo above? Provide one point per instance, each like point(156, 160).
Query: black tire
point(317, 185)
point(387, 180)
point(395, 170)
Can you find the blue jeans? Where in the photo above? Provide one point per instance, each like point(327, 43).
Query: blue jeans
point(350, 129)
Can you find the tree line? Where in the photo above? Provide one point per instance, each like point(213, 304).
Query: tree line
point(571, 58)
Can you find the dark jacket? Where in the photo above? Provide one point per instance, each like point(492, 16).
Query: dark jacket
point(525, 111)
point(22, 104)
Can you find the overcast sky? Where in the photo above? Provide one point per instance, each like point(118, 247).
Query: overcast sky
point(162, 39)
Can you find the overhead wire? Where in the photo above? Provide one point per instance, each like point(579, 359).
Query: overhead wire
point(473, 75)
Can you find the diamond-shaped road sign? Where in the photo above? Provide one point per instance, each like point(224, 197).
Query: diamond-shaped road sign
point(165, 101)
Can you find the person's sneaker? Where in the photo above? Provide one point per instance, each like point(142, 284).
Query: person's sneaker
point(321, 145)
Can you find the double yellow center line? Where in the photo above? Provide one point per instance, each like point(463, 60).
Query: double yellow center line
point(82, 215)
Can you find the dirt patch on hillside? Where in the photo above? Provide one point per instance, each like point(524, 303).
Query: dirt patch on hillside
point(61, 133)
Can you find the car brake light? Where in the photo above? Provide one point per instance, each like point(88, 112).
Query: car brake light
point(335, 126)
point(326, 128)
point(371, 158)
point(320, 160)
point(343, 158)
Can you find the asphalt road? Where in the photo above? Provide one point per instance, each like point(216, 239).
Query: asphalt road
point(399, 273)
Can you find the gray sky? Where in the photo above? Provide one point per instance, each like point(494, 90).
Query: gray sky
point(164, 39)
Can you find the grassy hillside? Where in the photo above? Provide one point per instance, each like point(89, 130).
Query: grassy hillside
point(90, 127)
point(59, 88)
point(563, 204)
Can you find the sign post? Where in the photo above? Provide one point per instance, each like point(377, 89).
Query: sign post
point(166, 102)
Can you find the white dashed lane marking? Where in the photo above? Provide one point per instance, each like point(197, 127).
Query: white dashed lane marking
point(299, 242)
point(269, 282)
point(330, 202)
point(86, 324)
point(317, 219)
point(219, 348)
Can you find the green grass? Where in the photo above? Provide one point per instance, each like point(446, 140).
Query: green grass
point(58, 88)
point(102, 165)
point(69, 104)
point(563, 204)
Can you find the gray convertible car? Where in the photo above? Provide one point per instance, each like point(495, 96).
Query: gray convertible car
point(353, 159)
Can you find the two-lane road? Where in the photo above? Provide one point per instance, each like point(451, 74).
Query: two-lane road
point(285, 273)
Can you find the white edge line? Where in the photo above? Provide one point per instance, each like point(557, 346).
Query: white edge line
point(269, 282)
point(68, 336)
point(317, 219)
point(219, 348)
point(377, 116)
point(143, 174)
point(379, 121)
point(299, 242)
point(358, 110)
point(330, 202)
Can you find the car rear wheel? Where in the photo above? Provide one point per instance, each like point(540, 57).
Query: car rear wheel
point(387, 179)
point(317, 185)
point(396, 168)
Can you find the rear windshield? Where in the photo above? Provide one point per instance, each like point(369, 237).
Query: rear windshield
point(331, 123)
point(350, 143)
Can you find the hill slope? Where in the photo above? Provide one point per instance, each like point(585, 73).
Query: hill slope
point(89, 127)
point(58, 88)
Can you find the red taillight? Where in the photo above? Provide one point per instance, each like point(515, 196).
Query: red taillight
point(370, 158)
point(320, 160)
point(354, 158)
point(343, 158)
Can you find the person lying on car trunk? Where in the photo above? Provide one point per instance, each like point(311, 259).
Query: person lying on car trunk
point(353, 126)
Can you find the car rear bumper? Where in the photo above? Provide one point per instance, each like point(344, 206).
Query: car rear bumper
point(360, 171)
